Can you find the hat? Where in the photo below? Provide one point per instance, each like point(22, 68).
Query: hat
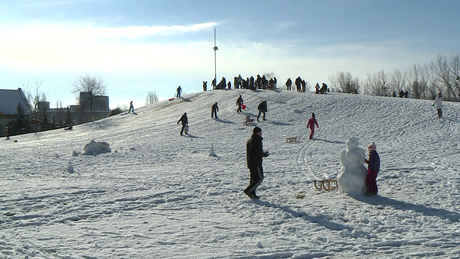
point(313, 115)
point(256, 129)
point(372, 146)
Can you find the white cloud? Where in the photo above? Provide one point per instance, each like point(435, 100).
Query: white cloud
point(65, 48)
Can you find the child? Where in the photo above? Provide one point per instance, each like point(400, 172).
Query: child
point(248, 119)
point(372, 170)
point(311, 123)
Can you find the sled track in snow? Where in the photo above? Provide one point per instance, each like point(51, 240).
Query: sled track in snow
point(302, 155)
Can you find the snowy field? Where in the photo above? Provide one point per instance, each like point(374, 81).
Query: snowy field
point(161, 195)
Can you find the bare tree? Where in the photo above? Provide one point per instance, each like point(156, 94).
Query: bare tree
point(93, 86)
point(455, 70)
point(344, 83)
point(34, 95)
point(376, 84)
point(418, 82)
point(398, 82)
point(151, 98)
point(444, 77)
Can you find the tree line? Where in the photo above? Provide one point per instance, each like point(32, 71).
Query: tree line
point(421, 81)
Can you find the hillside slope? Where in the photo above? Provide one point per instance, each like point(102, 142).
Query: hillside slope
point(160, 195)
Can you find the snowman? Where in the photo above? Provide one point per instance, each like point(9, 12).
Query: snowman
point(352, 176)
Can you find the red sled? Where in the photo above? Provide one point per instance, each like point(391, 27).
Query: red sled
point(243, 106)
point(171, 99)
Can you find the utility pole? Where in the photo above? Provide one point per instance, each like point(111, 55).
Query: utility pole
point(215, 67)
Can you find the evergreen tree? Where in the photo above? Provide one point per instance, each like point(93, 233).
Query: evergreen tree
point(68, 117)
point(45, 123)
point(22, 125)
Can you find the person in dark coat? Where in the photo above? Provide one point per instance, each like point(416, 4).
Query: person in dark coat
point(254, 154)
point(131, 107)
point(178, 91)
point(214, 110)
point(184, 121)
point(262, 109)
point(297, 83)
point(239, 102)
point(323, 89)
point(288, 84)
point(372, 170)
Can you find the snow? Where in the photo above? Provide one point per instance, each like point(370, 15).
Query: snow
point(96, 148)
point(157, 194)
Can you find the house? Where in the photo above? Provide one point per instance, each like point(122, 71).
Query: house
point(99, 110)
point(9, 100)
point(81, 113)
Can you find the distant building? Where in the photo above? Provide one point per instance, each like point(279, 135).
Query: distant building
point(99, 110)
point(9, 100)
point(81, 113)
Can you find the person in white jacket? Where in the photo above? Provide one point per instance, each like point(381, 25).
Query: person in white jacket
point(438, 104)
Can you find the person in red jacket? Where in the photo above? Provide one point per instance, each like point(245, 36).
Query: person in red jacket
point(311, 124)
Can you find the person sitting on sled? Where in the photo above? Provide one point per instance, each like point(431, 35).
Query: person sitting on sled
point(248, 119)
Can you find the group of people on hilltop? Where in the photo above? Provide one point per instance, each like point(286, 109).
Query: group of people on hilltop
point(402, 94)
point(300, 84)
point(321, 90)
point(260, 82)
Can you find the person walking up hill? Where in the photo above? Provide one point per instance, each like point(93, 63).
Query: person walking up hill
point(262, 109)
point(184, 121)
point(239, 102)
point(214, 110)
point(311, 124)
point(438, 104)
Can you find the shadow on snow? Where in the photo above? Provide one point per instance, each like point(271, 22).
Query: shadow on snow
point(401, 205)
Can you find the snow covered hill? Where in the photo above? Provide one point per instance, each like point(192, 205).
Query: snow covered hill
point(161, 195)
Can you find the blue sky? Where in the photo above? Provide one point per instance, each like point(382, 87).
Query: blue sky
point(141, 46)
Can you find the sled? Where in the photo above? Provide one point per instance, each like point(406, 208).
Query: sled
point(186, 129)
point(292, 139)
point(248, 122)
point(327, 185)
point(170, 99)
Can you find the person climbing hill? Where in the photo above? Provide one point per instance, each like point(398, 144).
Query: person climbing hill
point(311, 124)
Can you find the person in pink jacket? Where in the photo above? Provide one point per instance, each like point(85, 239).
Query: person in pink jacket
point(311, 123)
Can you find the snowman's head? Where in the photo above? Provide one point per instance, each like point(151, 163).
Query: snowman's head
point(352, 143)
